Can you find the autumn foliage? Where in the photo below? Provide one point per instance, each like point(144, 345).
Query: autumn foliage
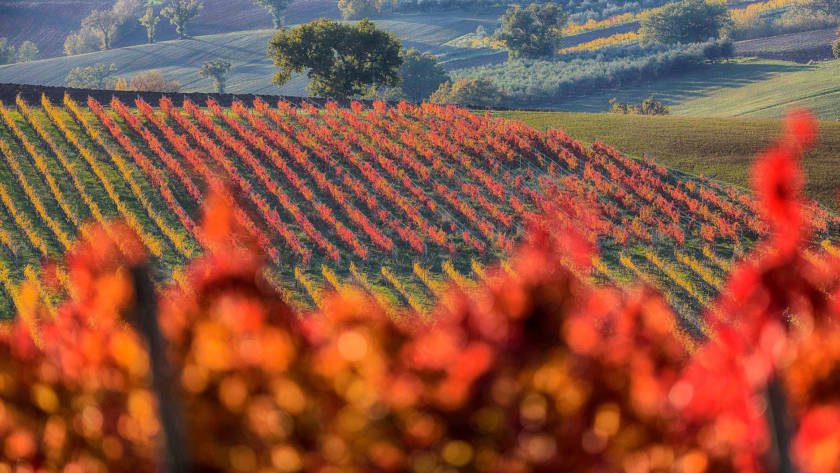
point(534, 370)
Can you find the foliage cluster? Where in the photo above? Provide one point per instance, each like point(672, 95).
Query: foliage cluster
point(532, 32)
point(420, 75)
point(97, 76)
point(341, 60)
point(216, 70)
point(475, 92)
point(99, 29)
point(532, 370)
point(775, 17)
point(180, 13)
point(540, 81)
point(687, 21)
point(149, 81)
point(25, 52)
point(649, 106)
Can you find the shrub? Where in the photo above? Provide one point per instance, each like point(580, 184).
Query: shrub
point(81, 42)
point(835, 48)
point(649, 106)
point(358, 9)
point(479, 92)
point(149, 81)
point(97, 76)
point(7, 52)
point(28, 51)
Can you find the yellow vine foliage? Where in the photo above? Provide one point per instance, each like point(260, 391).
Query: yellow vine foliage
point(392, 278)
point(150, 241)
point(598, 43)
point(310, 287)
point(41, 164)
point(178, 238)
point(33, 196)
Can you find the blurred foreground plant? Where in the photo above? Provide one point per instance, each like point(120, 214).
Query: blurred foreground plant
point(535, 370)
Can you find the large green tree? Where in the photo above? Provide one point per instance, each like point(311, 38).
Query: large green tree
point(181, 13)
point(420, 75)
point(275, 9)
point(688, 21)
point(534, 31)
point(341, 60)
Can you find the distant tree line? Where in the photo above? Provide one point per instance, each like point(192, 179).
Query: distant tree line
point(537, 82)
point(102, 27)
point(103, 76)
point(25, 52)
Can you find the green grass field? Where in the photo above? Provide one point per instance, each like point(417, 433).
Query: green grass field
point(815, 87)
point(716, 147)
point(743, 87)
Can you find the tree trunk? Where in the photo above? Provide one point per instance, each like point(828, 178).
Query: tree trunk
point(175, 457)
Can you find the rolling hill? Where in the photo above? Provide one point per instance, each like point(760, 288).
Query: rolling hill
point(719, 148)
point(815, 88)
point(396, 200)
point(246, 50)
point(742, 87)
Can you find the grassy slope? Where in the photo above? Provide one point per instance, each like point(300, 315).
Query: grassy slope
point(720, 148)
point(816, 88)
point(744, 87)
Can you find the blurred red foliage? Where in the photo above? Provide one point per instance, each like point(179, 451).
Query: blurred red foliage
point(535, 370)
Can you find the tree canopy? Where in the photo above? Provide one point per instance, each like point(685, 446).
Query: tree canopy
point(356, 9)
point(534, 31)
point(104, 23)
point(468, 92)
point(420, 75)
point(180, 13)
point(688, 21)
point(97, 76)
point(28, 51)
point(341, 60)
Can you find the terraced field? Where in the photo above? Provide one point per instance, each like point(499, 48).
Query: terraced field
point(397, 200)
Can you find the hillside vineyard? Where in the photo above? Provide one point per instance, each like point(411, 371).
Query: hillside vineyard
point(397, 200)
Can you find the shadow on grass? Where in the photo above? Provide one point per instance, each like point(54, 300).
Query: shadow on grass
point(682, 86)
